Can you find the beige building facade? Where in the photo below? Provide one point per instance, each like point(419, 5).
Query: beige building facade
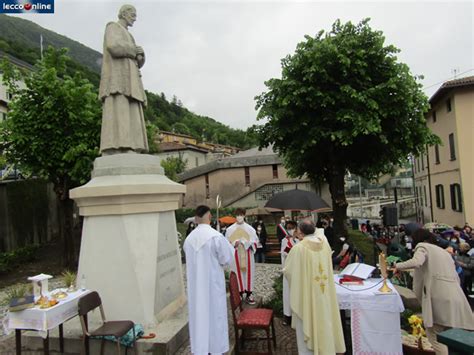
point(444, 175)
point(6, 96)
point(191, 155)
point(247, 179)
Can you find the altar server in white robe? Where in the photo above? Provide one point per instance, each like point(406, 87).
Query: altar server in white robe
point(286, 244)
point(207, 253)
point(244, 239)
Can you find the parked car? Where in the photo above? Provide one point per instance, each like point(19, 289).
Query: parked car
point(10, 173)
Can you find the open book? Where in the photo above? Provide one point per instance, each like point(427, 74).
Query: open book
point(358, 270)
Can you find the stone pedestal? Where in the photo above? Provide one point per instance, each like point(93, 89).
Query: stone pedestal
point(130, 252)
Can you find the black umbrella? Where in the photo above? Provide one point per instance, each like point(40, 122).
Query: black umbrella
point(300, 200)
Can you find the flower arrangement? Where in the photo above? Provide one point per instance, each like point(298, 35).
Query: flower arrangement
point(416, 324)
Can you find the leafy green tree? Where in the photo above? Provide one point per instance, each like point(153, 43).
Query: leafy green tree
point(174, 166)
point(53, 129)
point(152, 133)
point(180, 127)
point(3, 161)
point(343, 103)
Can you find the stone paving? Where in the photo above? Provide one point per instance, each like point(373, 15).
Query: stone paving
point(265, 274)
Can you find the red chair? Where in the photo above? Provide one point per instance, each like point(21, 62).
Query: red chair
point(251, 318)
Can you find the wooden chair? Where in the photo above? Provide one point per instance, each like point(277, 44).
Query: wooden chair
point(116, 329)
point(250, 318)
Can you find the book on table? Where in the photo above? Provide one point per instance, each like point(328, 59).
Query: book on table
point(357, 271)
point(21, 303)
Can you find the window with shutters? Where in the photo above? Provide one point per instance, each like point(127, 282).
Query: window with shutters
point(247, 176)
point(424, 196)
point(275, 171)
point(436, 149)
point(452, 147)
point(456, 200)
point(439, 196)
point(208, 194)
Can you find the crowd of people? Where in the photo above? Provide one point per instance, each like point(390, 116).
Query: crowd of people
point(442, 279)
point(457, 241)
point(208, 253)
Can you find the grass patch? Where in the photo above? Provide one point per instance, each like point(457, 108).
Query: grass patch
point(364, 244)
point(182, 228)
point(10, 260)
point(276, 303)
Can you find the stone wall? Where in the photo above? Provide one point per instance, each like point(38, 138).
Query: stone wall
point(28, 213)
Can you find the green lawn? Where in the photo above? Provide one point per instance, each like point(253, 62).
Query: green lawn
point(182, 228)
point(364, 244)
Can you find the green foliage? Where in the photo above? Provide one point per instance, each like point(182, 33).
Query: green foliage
point(404, 316)
point(276, 302)
point(21, 38)
point(3, 161)
point(69, 278)
point(28, 210)
point(10, 260)
point(173, 167)
point(172, 116)
point(16, 291)
point(151, 132)
point(360, 108)
point(53, 125)
point(182, 214)
point(343, 103)
point(363, 244)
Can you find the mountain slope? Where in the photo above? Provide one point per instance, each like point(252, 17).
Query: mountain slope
point(27, 33)
point(20, 38)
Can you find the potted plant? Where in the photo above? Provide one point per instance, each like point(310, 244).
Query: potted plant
point(69, 278)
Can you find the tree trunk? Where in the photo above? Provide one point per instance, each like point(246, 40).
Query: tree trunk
point(66, 206)
point(339, 203)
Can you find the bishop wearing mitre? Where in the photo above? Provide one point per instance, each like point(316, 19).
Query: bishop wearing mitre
point(313, 300)
point(244, 239)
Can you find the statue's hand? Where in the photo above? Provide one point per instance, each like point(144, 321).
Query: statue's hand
point(140, 50)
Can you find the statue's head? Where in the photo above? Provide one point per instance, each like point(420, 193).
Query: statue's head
point(128, 14)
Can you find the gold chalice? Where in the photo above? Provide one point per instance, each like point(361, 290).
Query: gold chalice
point(384, 272)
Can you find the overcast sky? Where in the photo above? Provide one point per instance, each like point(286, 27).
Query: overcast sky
point(215, 55)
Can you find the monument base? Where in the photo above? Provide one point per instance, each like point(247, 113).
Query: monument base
point(129, 250)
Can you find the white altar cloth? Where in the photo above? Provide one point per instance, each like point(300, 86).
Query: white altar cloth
point(43, 320)
point(375, 317)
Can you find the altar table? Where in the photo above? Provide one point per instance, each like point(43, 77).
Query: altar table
point(375, 317)
point(43, 320)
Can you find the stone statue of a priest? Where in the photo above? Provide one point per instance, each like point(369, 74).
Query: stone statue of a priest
point(121, 89)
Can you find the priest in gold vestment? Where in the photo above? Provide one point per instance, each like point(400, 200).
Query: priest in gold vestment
point(314, 306)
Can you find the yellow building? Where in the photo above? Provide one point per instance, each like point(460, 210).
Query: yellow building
point(183, 139)
point(444, 177)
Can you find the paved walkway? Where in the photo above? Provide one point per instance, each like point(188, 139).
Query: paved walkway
point(264, 278)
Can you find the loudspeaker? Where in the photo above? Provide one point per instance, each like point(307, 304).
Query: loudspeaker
point(390, 215)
